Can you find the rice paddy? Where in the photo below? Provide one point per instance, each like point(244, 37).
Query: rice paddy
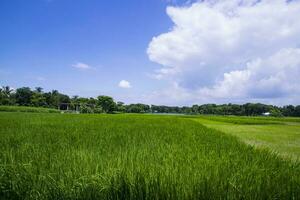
point(280, 135)
point(67, 156)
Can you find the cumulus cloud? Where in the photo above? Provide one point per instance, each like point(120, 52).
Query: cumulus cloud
point(124, 84)
point(40, 78)
point(273, 77)
point(231, 49)
point(81, 66)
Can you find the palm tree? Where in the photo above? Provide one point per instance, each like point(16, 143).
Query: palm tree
point(39, 89)
point(6, 90)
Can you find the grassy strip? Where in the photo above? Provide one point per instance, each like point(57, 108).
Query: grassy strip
point(45, 156)
point(284, 139)
point(280, 119)
point(27, 109)
point(242, 120)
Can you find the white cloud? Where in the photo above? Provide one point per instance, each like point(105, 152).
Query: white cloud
point(81, 66)
point(124, 84)
point(236, 49)
point(40, 78)
point(272, 77)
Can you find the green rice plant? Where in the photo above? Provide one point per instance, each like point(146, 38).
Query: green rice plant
point(49, 156)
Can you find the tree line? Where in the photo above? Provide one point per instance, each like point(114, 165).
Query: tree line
point(25, 96)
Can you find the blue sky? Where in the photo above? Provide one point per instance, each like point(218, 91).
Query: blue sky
point(157, 51)
point(41, 40)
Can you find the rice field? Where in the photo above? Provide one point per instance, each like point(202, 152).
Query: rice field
point(65, 156)
point(246, 120)
point(282, 138)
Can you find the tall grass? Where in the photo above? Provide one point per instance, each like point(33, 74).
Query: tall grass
point(48, 156)
point(27, 109)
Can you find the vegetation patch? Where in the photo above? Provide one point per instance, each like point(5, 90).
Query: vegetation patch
point(25, 96)
point(47, 156)
point(281, 138)
point(243, 120)
point(27, 109)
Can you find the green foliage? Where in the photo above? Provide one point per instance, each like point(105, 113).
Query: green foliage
point(137, 108)
point(47, 156)
point(98, 109)
point(7, 96)
point(23, 96)
point(275, 113)
point(121, 107)
point(107, 104)
point(86, 109)
point(27, 109)
point(37, 98)
point(27, 97)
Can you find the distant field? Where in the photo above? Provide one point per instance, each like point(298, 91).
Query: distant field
point(65, 156)
point(250, 120)
point(244, 120)
point(27, 109)
point(281, 135)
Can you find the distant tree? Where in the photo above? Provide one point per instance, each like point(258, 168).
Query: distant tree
point(74, 99)
point(37, 98)
point(83, 100)
point(252, 109)
point(276, 112)
point(23, 96)
point(6, 96)
point(63, 100)
point(92, 101)
point(186, 110)
point(107, 103)
point(7, 90)
point(86, 109)
point(121, 107)
point(134, 108)
point(26, 97)
point(288, 110)
point(39, 90)
point(98, 109)
point(54, 99)
point(138, 108)
point(2, 97)
point(208, 108)
point(297, 111)
point(195, 109)
point(233, 109)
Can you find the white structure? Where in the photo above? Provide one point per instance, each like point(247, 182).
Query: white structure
point(266, 114)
